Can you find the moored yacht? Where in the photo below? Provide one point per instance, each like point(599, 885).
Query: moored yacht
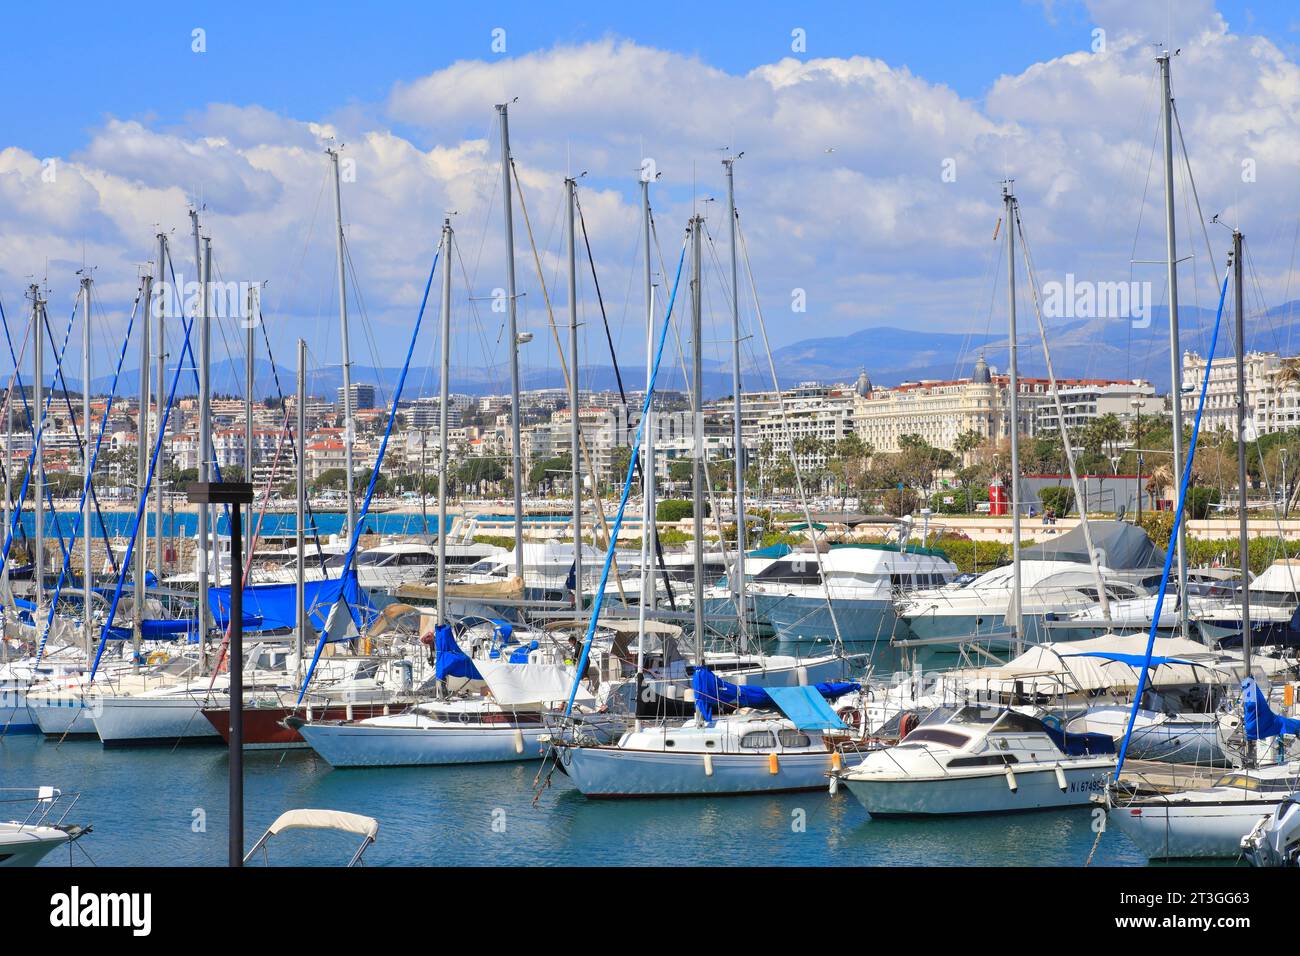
point(862, 581)
point(1209, 823)
point(981, 759)
point(752, 750)
point(977, 610)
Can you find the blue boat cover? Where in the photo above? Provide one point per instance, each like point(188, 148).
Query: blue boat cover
point(1261, 722)
point(1080, 745)
point(771, 551)
point(159, 630)
point(271, 607)
point(806, 707)
point(449, 659)
point(710, 691)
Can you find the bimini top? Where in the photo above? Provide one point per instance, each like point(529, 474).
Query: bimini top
point(325, 820)
point(1121, 547)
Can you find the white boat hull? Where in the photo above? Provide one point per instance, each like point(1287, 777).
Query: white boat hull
point(807, 619)
point(362, 745)
point(126, 721)
point(1185, 738)
point(1038, 789)
point(611, 772)
point(15, 718)
point(27, 845)
point(1185, 831)
point(63, 717)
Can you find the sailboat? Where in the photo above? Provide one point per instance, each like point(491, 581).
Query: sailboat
point(1209, 822)
point(749, 751)
point(460, 728)
point(1214, 821)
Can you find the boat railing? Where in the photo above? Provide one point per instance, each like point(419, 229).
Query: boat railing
point(44, 800)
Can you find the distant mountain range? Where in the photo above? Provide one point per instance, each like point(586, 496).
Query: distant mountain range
point(1082, 348)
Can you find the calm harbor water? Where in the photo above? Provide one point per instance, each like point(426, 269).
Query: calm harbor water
point(143, 804)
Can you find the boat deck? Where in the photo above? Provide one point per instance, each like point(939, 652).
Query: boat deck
point(1156, 776)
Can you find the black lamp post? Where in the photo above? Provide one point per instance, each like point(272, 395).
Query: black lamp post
point(234, 494)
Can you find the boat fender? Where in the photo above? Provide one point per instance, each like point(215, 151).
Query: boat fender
point(519, 741)
point(773, 764)
point(385, 710)
point(1011, 780)
point(835, 784)
point(309, 714)
point(348, 712)
point(708, 765)
point(803, 676)
point(837, 762)
point(1060, 779)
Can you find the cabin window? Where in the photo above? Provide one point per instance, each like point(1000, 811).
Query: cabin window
point(937, 736)
point(983, 760)
point(802, 571)
point(793, 738)
point(758, 739)
point(1241, 781)
point(1015, 722)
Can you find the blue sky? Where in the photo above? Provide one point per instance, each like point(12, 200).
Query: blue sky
point(843, 140)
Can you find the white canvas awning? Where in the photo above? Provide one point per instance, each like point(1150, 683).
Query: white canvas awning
point(515, 685)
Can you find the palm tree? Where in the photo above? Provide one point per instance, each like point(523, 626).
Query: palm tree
point(966, 443)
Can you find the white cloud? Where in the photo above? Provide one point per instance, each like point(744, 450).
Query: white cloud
point(841, 189)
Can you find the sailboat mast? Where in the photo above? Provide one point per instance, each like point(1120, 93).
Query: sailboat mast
point(1238, 275)
point(737, 442)
point(444, 399)
point(649, 526)
point(1013, 388)
point(300, 515)
point(575, 427)
point(159, 387)
point(249, 320)
point(649, 589)
point(38, 466)
point(349, 428)
point(1175, 350)
point(697, 445)
point(9, 470)
point(516, 452)
point(141, 458)
point(87, 621)
point(205, 444)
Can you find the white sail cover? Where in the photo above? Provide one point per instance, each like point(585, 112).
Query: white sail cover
point(1053, 668)
point(513, 685)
